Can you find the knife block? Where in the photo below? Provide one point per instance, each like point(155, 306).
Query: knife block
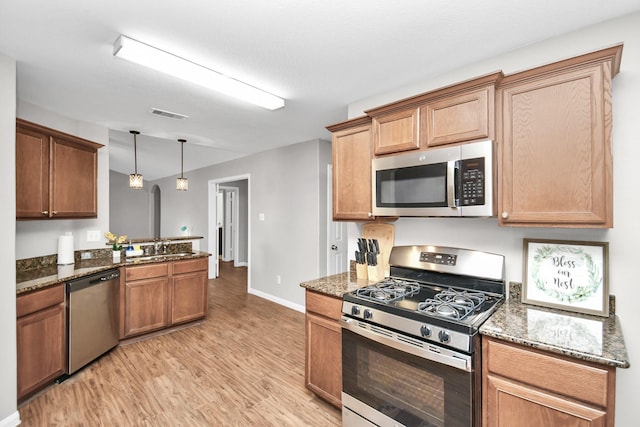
point(361, 271)
point(375, 272)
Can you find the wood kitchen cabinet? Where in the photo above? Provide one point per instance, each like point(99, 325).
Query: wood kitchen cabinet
point(461, 112)
point(56, 174)
point(144, 299)
point(556, 165)
point(160, 295)
point(395, 131)
point(351, 150)
point(189, 290)
point(41, 338)
point(524, 387)
point(323, 349)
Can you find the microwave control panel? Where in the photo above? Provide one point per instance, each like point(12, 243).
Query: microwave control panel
point(472, 182)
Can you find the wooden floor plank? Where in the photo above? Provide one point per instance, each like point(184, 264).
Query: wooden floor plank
point(242, 366)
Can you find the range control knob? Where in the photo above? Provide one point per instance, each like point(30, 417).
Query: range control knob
point(444, 336)
point(355, 310)
point(425, 331)
point(368, 314)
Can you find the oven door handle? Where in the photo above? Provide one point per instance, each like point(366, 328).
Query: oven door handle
point(407, 344)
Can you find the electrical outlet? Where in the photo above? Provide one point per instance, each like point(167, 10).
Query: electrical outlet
point(85, 255)
point(278, 280)
point(93, 236)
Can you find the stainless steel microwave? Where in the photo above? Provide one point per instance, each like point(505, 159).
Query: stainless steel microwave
point(449, 181)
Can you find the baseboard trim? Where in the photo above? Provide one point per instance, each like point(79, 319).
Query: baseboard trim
point(277, 300)
point(11, 421)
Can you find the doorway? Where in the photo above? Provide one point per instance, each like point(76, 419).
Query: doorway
point(229, 227)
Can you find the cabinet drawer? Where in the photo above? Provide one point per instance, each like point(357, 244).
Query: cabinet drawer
point(188, 266)
point(324, 305)
point(585, 382)
point(40, 299)
point(146, 271)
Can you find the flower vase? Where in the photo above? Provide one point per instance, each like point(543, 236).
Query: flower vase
point(116, 256)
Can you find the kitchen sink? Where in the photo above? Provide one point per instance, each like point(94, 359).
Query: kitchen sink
point(159, 257)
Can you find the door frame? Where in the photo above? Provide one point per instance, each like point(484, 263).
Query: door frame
point(213, 188)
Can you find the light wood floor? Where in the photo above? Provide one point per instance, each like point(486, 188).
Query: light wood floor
point(242, 366)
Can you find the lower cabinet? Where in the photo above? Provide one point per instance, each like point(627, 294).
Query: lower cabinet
point(189, 290)
point(156, 296)
point(526, 387)
point(323, 361)
point(41, 341)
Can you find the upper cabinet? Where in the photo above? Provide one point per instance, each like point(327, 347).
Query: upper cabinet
point(457, 113)
point(352, 152)
point(396, 131)
point(56, 174)
point(556, 163)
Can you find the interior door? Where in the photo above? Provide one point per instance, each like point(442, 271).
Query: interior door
point(337, 234)
point(229, 226)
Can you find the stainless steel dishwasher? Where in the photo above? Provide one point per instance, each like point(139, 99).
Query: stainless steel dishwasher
point(92, 317)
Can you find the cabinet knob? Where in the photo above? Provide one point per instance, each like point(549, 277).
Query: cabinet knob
point(54, 212)
point(369, 214)
point(45, 212)
point(505, 215)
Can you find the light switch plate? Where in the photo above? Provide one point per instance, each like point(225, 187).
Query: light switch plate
point(93, 235)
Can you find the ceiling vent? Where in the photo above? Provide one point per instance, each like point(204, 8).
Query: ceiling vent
point(168, 114)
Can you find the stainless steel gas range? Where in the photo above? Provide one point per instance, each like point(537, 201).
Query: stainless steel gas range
point(410, 344)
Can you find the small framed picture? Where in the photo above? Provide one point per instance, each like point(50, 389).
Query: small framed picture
point(569, 275)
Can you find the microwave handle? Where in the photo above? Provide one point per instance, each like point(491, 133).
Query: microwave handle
point(453, 166)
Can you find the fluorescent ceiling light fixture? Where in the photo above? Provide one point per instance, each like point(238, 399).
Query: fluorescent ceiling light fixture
point(149, 56)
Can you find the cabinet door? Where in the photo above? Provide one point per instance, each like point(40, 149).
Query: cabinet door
point(189, 299)
point(352, 174)
point(74, 180)
point(396, 132)
point(556, 150)
point(323, 370)
point(40, 348)
point(458, 118)
point(512, 404)
point(145, 306)
point(32, 174)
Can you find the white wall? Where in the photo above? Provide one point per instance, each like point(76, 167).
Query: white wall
point(284, 185)
point(484, 234)
point(40, 237)
point(8, 396)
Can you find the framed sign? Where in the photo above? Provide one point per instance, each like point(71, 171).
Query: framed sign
point(569, 275)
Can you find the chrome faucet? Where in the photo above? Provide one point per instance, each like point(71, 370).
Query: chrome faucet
point(165, 245)
point(156, 247)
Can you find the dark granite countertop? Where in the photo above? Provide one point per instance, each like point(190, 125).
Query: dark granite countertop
point(336, 285)
point(585, 337)
point(41, 276)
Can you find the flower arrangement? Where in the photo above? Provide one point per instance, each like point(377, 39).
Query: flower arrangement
point(114, 240)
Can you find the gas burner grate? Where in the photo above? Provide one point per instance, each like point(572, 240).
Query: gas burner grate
point(471, 299)
point(387, 291)
point(453, 304)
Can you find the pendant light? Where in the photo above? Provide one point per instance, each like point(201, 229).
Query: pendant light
point(135, 179)
point(182, 183)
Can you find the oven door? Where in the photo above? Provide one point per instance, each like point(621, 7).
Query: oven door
point(389, 379)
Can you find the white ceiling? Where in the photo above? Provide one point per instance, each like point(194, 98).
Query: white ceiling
point(320, 55)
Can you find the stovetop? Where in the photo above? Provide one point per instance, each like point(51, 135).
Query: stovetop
point(438, 294)
point(457, 309)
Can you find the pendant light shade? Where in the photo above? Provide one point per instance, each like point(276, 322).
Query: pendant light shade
point(182, 183)
point(135, 179)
